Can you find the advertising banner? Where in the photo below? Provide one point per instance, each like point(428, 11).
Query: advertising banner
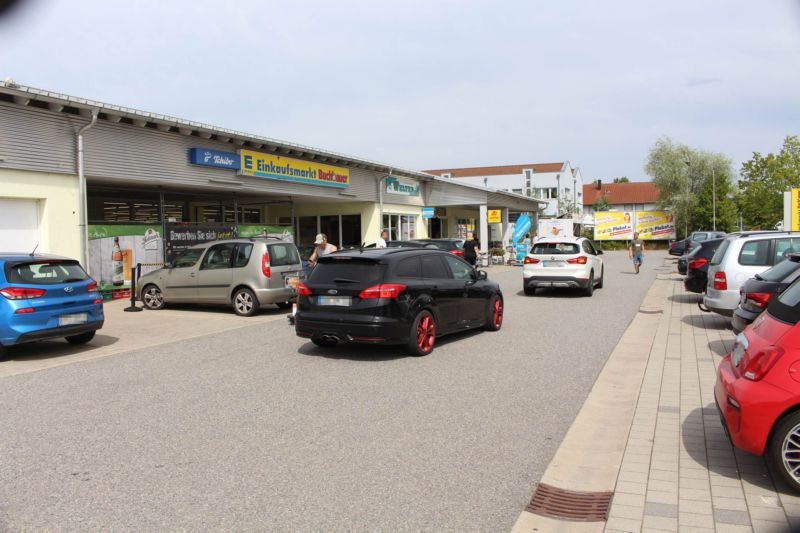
point(396, 186)
point(521, 227)
point(181, 235)
point(285, 233)
point(655, 225)
point(276, 167)
point(613, 226)
point(794, 210)
point(556, 227)
point(114, 249)
point(494, 216)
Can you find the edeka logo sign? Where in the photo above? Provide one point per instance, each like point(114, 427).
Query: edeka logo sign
point(275, 167)
point(213, 158)
point(395, 186)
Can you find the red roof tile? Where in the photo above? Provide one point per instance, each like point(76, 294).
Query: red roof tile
point(502, 170)
point(622, 193)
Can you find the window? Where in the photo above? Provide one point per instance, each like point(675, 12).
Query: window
point(45, 273)
point(588, 248)
point(218, 257)
point(243, 252)
point(332, 268)
point(329, 225)
point(188, 258)
point(283, 255)
point(459, 268)
point(784, 247)
point(553, 192)
point(351, 231)
point(780, 271)
point(408, 268)
point(432, 267)
point(720, 253)
point(755, 253)
point(785, 307)
point(516, 191)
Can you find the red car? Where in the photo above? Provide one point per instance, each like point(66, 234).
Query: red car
point(758, 387)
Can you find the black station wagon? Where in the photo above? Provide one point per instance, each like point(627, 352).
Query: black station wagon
point(406, 296)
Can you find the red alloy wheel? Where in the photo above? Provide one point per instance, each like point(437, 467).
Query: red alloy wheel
point(426, 333)
point(497, 313)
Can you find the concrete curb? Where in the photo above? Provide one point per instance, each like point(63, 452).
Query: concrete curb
point(591, 454)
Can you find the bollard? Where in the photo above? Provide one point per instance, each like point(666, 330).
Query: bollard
point(133, 308)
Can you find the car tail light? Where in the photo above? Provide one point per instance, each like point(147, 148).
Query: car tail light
point(761, 363)
point(759, 299)
point(21, 293)
point(698, 263)
point(459, 253)
point(302, 289)
point(265, 268)
point(530, 261)
point(97, 301)
point(720, 281)
point(577, 260)
point(384, 290)
point(92, 286)
point(24, 311)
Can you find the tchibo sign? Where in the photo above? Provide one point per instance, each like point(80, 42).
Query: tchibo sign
point(214, 158)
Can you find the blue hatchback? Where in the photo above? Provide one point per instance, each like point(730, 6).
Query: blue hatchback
point(45, 297)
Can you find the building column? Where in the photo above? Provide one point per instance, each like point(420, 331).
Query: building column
point(504, 226)
point(483, 224)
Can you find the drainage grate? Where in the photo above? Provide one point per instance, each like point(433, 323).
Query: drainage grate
point(569, 504)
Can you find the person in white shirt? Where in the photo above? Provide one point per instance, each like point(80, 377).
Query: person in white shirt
point(381, 242)
point(323, 247)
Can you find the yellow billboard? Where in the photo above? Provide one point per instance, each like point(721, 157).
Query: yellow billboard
point(795, 210)
point(613, 226)
point(655, 225)
point(276, 167)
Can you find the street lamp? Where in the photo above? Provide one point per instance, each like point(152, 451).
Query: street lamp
point(714, 198)
point(686, 207)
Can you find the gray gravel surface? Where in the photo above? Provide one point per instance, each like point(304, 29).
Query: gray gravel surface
point(256, 429)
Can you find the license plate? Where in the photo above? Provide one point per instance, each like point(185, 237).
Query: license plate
point(551, 263)
point(342, 301)
point(739, 349)
point(69, 320)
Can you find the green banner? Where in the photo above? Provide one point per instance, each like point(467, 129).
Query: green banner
point(254, 230)
point(101, 231)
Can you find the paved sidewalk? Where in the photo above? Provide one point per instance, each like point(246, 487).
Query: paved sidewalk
point(677, 472)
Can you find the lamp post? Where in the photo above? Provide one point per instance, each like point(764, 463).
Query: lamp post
point(714, 198)
point(686, 210)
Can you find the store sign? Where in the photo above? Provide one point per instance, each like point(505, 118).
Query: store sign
point(276, 167)
point(180, 236)
point(494, 216)
point(407, 188)
point(214, 158)
point(427, 212)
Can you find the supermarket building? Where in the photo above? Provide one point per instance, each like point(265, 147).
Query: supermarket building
point(159, 183)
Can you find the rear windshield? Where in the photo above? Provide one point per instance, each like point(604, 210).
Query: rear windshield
point(720, 254)
point(446, 245)
point(708, 248)
point(780, 271)
point(699, 236)
point(45, 272)
point(283, 254)
point(786, 307)
point(555, 248)
point(347, 270)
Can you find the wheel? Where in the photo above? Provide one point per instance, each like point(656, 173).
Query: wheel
point(529, 291)
point(783, 450)
point(589, 290)
point(495, 318)
point(152, 298)
point(245, 302)
point(2, 352)
point(83, 338)
point(284, 305)
point(422, 335)
point(324, 343)
point(602, 275)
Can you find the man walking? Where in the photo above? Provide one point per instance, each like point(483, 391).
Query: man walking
point(636, 252)
point(381, 242)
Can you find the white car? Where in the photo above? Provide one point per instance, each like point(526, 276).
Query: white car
point(565, 262)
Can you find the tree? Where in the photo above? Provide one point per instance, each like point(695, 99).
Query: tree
point(681, 174)
point(623, 179)
point(764, 180)
point(601, 204)
point(719, 181)
point(566, 207)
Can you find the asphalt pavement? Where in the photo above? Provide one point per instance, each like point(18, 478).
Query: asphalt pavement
point(257, 429)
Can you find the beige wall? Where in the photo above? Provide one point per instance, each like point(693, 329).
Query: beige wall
point(57, 195)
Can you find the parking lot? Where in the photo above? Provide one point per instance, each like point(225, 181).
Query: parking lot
point(195, 418)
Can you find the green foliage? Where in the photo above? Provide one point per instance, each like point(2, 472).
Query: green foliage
point(622, 179)
point(601, 204)
point(764, 180)
point(566, 206)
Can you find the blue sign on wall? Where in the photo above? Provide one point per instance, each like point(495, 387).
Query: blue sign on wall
point(427, 212)
point(214, 158)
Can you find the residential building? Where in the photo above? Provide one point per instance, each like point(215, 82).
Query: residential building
point(635, 196)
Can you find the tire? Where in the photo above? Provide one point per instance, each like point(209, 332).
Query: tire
point(422, 336)
point(589, 290)
point(322, 343)
point(789, 426)
point(284, 305)
point(83, 338)
point(2, 352)
point(245, 302)
point(152, 297)
point(529, 291)
point(495, 321)
point(602, 275)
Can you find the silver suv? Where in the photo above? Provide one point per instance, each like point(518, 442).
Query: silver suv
point(246, 273)
point(740, 257)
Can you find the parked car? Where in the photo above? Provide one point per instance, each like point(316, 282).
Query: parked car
point(740, 257)
point(47, 297)
point(567, 262)
point(759, 290)
point(696, 279)
point(683, 261)
point(678, 248)
point(454, 246)
point(409, 296)
point(245, 273)
point(685, 246)
point(758, 387)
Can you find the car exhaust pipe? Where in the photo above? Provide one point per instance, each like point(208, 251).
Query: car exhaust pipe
point(330, 338)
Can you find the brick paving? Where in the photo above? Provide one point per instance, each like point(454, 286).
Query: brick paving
point(679, 472)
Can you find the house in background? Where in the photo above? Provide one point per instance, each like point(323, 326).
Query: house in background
point(637, 196)
point(544, 181)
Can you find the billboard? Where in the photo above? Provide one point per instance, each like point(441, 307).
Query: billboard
point(556, 227)
point(655, 225)
point(621, 225)
point(613, 226)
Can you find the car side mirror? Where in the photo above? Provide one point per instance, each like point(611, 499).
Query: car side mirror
point(482, 275)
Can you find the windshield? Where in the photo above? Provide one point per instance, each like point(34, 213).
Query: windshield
point(555, 248)
point(45, 272)
point(347, 270)
point(780, 271)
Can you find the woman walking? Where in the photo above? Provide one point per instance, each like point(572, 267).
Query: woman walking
point(471, 249)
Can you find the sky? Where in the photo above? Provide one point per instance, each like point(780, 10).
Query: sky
point(435, 84)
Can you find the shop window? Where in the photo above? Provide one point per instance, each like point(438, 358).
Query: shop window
point(306, 230)
point(132, 211)
point(329, 225)
point(351, 231)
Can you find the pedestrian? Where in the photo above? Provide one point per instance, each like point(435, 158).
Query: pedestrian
point(322, 247)
point(636, 252)
point(381, 242)
point(471, 249)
